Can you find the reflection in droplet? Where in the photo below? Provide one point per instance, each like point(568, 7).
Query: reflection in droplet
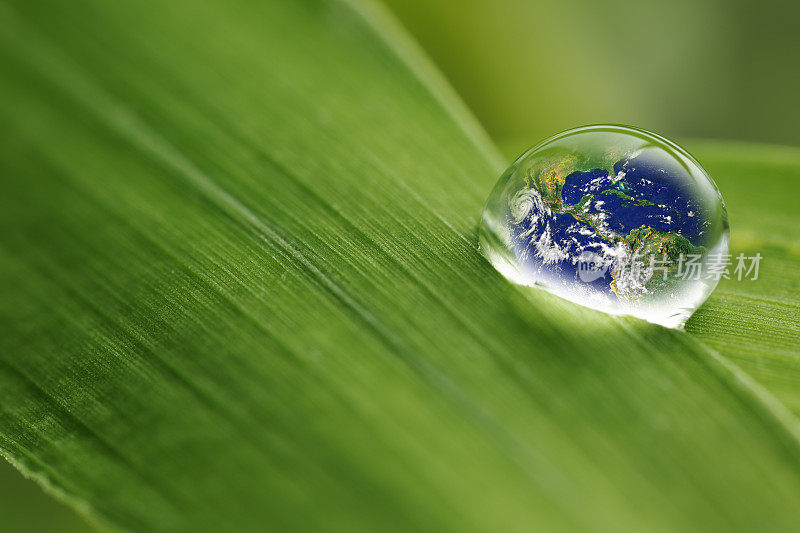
point(611, 217)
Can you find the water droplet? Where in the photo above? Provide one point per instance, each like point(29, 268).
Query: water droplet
point(611, 217)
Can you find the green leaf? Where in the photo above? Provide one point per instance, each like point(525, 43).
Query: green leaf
point(757, 322)
point(240, 290)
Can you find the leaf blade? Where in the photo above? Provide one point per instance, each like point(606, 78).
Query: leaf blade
point(229, 302)
point(756, 322)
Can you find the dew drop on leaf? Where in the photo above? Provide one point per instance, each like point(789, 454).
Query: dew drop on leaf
point(610, 217)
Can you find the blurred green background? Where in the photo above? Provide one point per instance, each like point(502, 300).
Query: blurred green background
point(685, 68)
point(724, 69)
point(25, 507)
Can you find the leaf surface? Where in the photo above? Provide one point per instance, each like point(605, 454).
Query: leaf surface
point(240, 289)
point(757, 322)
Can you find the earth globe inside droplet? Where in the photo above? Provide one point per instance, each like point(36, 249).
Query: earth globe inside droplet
point(610, 217)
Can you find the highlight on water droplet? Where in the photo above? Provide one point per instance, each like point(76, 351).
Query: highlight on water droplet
point(610, 217)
